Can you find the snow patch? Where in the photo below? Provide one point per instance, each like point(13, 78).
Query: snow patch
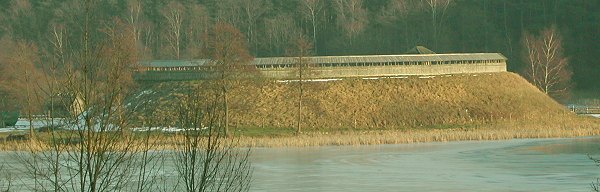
point(308, 80)
point(163, 129)
point(145, 92)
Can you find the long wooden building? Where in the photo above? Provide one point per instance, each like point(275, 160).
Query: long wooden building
point(337, 66)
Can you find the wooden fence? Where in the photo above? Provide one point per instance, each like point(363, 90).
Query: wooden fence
point(585, 109)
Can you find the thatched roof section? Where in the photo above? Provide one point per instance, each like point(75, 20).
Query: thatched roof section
point(419, 50)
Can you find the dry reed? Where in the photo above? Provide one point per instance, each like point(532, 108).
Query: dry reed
point(500, 131)
point(494, 132)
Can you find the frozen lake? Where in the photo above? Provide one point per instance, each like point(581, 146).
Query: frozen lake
point(510, 165)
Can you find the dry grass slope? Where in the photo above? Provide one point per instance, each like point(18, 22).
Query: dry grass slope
point(375, 111)
point(389, 103)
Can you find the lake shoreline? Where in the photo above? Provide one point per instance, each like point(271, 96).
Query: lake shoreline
point(356, 137)
point(274, 165)
point(380, 137)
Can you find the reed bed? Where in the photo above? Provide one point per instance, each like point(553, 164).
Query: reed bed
point(501, 131)
point(416, 136)
point(343, 138)
point(129, 144)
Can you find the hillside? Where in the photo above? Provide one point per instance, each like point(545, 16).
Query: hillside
point(390, 103)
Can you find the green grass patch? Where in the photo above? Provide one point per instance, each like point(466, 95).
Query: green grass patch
point(264, 132)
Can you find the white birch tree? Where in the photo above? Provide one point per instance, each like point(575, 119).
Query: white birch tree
point(312, 10)
point(437, 9)
point(173, 14)
point(547, 68)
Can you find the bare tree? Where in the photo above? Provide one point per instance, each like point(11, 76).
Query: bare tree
point(120, 55)
point(393, 12)
point(6, 181)
point(229, 11)
point(279, 32)
point(140, 27)
point(91, 155)
point(174, 15)
point(312, 10)
point(351, 17)
point(595, 185)
point(59, 44)
point(547, 68)
point(197, 26)
point(21, 76)
point(395, 16)
point(437, 9)
point(20, 19)
point(303, 68)
point(134, 13)
point(206, 160)
point(244, 15)
point(226, 46)
point(253, 11)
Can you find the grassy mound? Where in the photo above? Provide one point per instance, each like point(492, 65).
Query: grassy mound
point(384, 103)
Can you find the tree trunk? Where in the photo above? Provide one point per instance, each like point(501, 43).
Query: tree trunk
point(434, 30)
point(299, 130)
point(29, 115)
point(226, 110)
point(314, 34)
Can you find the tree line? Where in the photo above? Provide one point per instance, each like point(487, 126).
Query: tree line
point(174, 29)
point(88, 67)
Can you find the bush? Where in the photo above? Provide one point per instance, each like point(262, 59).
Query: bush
point(15, 137)
point(9, 118)
point(49, 128)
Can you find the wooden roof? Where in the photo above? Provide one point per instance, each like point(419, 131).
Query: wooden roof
point(383, 58)
point(176, 63)
point(341, 59)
